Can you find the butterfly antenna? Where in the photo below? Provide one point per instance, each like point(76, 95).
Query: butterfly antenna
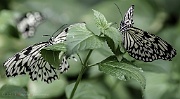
point(119, 10)
point(55, 31)
point(59, 29)
point(46, 35)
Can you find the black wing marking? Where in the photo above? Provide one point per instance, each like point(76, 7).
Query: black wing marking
point(147, 47)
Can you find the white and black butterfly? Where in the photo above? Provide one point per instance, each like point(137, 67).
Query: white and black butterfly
point(30, 61)
point(142, 45)
point(28, 23)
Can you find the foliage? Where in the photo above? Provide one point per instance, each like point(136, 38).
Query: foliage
point(106, 71)
point(80, 38)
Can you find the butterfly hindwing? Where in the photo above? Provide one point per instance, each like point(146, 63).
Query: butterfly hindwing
point(147, 47)
point(63, 65)
point(142, 45)
point(41, 69)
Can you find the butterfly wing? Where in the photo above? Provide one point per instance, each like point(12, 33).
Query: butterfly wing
point(29, 60)
point(61, 37)
point(63, 65)
point(18, 64)
point(128, 18)
point(41, 69)
point(145, 46)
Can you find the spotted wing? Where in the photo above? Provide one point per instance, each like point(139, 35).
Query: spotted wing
point(29, 60)
point(41, 69)
point(63, 65)
point(147, 47)
point(128, 18)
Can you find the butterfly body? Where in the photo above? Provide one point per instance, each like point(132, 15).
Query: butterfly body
point(142, 45)
point(30, 61)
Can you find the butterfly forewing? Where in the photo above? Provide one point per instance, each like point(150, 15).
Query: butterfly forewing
point(30, 61)
point(61, 37)
point(142, 45)
point(20, 61)
point(128, 19)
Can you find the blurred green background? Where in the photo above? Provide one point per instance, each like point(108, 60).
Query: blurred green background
point(160, 17)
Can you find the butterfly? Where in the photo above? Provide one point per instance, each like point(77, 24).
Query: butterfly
point(142, 45)
point(28, 23)
point(30, 61)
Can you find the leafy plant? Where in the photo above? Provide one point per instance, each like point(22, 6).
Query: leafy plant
point(80, 38)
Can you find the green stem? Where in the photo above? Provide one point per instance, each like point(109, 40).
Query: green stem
point(77, 82)
point(84, 67)
point(85, 62)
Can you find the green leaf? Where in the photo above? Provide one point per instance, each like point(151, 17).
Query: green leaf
point(53, 54)
point(87, 91)
point(100, 20)
point(80, 38)
point(113, 39)
point(112, 35)
point(12, 92)
point(121, 70)
point(56, 47)
point(115, 35)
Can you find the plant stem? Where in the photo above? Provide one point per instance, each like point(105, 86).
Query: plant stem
point(77, 82)
point(85, 62)
point(84, 67)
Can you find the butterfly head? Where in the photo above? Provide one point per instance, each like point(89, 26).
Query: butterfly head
point(51, 40)
point(122, 26)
